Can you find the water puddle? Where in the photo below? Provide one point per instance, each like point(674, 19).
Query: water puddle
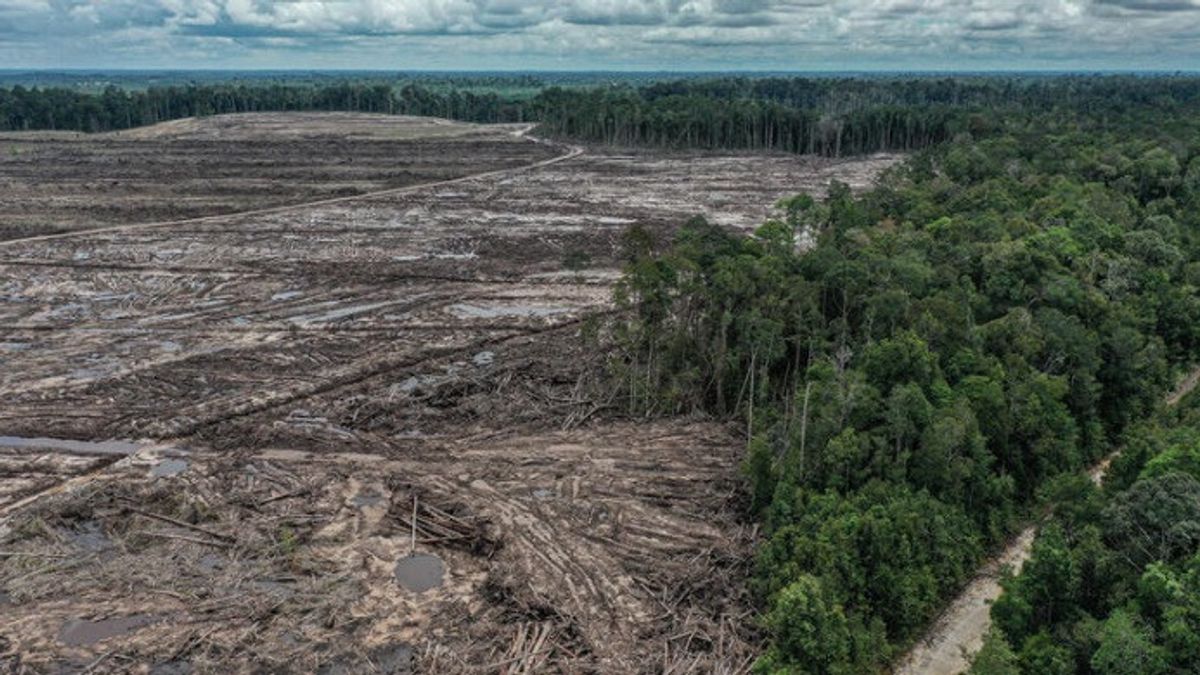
point(89, 536)
point(367, 498)
point(471, 255)
point(394, 660)
point(416, 382)
point(115, 447)
point(275, 588)
point(80, 632)
point(112, 296)
point(168, 468)
point(465, 311)
point(67, 311)
point(420, 572)
point(390, 660)
point(343, 312)
point(211, 562)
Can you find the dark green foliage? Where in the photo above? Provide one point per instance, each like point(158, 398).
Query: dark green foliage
point(1127, 648)
point(24, 109)
point(1116, 579)
point(812, 632)
point(960, 343)
point(839, 116)
point(996, 657)
point(825, 116)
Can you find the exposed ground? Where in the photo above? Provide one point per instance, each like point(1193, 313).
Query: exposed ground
point(302, 375)
point(56, 181)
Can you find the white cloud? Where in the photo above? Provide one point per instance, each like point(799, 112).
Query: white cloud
point(603, 33)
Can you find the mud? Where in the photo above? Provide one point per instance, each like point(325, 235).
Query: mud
point(80, 632)
point(420, 572)
point(199, 167)
point(324, 366)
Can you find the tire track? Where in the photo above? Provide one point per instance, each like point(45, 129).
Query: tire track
point(572, 151)
point(357, 375)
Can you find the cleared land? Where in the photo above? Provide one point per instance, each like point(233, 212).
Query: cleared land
point(54, 182)
point(302, 377)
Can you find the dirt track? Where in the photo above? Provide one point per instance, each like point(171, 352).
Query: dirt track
point(188, 169)
point(316, 368)
point(958, 633)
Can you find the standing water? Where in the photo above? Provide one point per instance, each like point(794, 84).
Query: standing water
point(79, 632)
point(420, 572)
point(66, 445)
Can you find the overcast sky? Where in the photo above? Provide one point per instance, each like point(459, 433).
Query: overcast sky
point(603, 34)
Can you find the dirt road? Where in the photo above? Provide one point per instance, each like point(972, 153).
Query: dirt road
point(958, 633)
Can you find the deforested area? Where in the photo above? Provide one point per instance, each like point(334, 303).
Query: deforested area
point(369, 434)
point(655, 375)
point(57, 181)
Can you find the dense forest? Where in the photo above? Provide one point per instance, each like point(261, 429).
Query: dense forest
point(1112, 586)
point(114, 109)
point(1113, 583)
point(826, 116)
point(920, 366)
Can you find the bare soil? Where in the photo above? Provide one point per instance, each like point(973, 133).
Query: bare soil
point(302, 376)
point(55, 182)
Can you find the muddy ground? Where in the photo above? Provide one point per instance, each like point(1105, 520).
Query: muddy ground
point(298, 379)
point(56, 181)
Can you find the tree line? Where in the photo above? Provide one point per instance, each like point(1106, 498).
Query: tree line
point(24, 109)
point(916, 364)
point(825, 116)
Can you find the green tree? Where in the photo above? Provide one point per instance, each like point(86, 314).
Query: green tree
point(996, 657)
point(1126, 648)
point(809, 633)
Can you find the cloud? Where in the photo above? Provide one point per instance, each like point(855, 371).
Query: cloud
point(1153, 5)
point(601, 33)
point(994, 21)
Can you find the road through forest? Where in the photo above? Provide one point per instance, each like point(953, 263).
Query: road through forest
point(958, 633)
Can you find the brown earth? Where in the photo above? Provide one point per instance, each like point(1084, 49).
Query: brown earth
point(55, 182)
point(302, 375)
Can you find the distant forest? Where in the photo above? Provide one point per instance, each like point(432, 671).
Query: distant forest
point(825, 116)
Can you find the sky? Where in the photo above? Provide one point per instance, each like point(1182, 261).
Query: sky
point(679, 35)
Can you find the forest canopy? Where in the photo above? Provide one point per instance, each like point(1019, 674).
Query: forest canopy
point(922, 365)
